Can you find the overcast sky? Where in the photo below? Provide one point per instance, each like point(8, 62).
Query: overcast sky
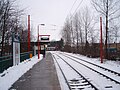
point(50, 12)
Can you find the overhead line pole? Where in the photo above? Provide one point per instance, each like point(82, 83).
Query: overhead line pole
point(28, 33)
point(101, 46)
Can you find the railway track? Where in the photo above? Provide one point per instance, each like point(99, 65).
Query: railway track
point(111, 76)
point(78, 83)
point(109, 70)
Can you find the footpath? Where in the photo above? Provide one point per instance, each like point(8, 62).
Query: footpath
point(42, 76)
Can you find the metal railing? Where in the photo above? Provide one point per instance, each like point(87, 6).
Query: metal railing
point(7, 61)
point(25, 55)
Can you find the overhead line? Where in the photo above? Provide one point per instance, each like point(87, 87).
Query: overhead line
point(77, 8)
point(71, 8)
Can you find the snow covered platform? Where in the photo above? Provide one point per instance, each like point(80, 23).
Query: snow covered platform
point(42, 76)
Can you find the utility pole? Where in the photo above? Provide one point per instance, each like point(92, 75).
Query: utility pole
point(101, 46)
point(28, 33)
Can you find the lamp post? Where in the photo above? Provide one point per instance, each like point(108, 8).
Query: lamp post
point(39, 41)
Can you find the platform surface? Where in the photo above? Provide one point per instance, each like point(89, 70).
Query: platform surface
point(42, 76)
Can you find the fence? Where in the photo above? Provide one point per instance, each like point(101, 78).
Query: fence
point(25, 55)
point(7, 61)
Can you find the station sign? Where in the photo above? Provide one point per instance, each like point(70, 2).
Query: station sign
point(44, 38)
point(16, 49)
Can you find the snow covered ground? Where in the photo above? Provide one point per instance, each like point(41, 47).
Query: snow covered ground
point(113, 65)
point(12, 74)
point(99, 81)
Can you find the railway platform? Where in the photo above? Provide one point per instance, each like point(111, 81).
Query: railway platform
point(42, 76)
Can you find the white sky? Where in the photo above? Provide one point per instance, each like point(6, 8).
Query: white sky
point(49, 12)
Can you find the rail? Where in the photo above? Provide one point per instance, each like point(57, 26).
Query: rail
point(96, 70)
point(95, 88)
point(117, 73)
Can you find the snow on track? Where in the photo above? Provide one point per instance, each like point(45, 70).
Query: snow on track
point(102, 82)
point(73, 78)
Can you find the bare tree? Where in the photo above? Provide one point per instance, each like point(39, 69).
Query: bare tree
point(110, 10)
point(87, 26)
point(87, 19)
point(76, 30)
point(9, 21)
point(76, 23)
point(114, 32)
point(5, 5)
point(66, 33)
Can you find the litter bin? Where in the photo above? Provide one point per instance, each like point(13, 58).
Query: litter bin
point(30, 55)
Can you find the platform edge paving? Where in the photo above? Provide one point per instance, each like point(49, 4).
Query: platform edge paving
point(43, 76)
